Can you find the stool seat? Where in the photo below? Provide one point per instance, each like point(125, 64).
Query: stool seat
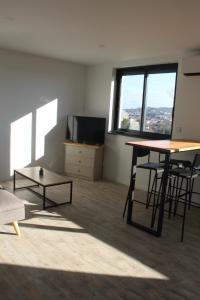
point(152, 166)
point(184, 173)
point(11, 209)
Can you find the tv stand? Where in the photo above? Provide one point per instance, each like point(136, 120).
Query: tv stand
point(83, 160)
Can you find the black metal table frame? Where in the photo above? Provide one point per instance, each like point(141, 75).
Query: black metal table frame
point(43, 195)
point(158, 231)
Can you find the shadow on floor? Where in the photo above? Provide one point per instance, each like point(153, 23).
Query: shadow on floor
point(27, 283)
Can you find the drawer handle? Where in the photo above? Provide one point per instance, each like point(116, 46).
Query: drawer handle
point(78, 171)
point(80, 151)
point(79, 161)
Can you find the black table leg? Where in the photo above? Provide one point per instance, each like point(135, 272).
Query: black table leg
point(132, 186)
point(14, 180)
point(163, 194)
point(44, 197)
point(71, 187)
point(130, 214)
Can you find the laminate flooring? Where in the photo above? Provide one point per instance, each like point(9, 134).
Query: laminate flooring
point(86, 250)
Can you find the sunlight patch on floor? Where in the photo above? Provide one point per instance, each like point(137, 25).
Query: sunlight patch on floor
point(90, 255)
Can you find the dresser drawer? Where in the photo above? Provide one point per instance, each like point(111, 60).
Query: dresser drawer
point(74, 169)
point(80, 161)
point(79, 151)
point(83, 160)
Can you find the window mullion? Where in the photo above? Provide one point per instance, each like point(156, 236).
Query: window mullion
point(143, 114)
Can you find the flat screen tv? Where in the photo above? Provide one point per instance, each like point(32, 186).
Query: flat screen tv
point(88, 130)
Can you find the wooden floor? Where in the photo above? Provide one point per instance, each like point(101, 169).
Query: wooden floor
point(86, 251)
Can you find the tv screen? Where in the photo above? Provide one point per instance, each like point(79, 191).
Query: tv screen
point(89, 130)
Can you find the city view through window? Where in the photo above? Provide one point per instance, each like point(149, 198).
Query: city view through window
point(157, 100)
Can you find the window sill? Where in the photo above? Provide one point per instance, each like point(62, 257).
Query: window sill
point(143, 135)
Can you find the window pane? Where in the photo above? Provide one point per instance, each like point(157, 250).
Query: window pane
point(159, 103)
point(131, 102)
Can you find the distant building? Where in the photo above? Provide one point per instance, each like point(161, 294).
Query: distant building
point(158, 119)
point(134, 124)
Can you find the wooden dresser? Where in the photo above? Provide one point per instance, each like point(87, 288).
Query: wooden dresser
point(83, 160)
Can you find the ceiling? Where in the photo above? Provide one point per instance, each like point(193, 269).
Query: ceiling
point(96, 31)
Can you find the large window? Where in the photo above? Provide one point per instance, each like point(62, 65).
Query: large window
point(145, 100)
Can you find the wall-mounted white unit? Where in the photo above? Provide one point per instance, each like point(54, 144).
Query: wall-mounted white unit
point(191, 65)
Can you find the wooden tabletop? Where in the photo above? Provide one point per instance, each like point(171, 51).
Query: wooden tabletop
point(47, 179)
point(167, 146)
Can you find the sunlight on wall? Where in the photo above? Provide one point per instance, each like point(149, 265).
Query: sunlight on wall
point(46, 119)
point(112, 88)
point(20, 142)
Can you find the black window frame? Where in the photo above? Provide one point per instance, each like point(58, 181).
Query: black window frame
point(143, 70)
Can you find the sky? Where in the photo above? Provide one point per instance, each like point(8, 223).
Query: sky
point(160, 90)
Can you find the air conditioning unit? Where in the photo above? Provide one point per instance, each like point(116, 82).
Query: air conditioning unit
point(191, 65)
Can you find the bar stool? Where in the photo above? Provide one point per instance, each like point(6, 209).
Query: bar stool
point(150, 166)
point(158, 169)
point(172, 191)
point(187, 176)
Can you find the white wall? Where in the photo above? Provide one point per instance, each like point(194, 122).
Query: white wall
point(28, 82)
point(117, 155)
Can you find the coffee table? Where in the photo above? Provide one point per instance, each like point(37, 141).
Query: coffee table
point(48, 179)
